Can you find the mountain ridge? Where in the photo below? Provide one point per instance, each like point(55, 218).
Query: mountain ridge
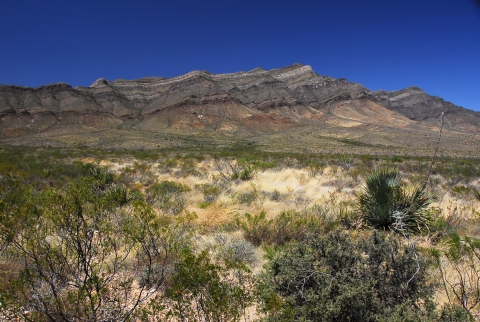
point(242, 104)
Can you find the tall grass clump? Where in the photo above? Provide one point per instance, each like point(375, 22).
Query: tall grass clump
point(386, 204)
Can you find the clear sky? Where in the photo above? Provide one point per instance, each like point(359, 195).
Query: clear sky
point(382, 44)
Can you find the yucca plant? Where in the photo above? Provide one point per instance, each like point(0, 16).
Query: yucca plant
point(386, 204)
point(119, 194)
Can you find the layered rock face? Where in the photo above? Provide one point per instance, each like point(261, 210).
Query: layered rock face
point(417, 105)
point(258, 100)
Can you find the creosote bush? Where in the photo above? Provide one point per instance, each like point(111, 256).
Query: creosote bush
point(340, 278)
point(206, 290)
point(168, 196)
point(236, 248)
point(285, 227)
point(210, 192)
point(85, 251)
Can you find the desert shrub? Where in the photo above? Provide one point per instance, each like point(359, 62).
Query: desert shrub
point(206, 290)
point(445, 226)
point(349, 219)
point(167, 163)
point(347, 161)
point(82, 247)
point(235, 247)
point(141, 166)
point(188, 168)
point(275, 195)
point(461, 190)
point(13, 191)
point(465, 169)
point(314, 170)
point(102, 175)
point(210, 192)
point(338, 278)
point(255, 227)
point(285, 227)
point(246, 172)
point(147, 155)
point(455, 313)
point(459, 267)
point(396, 158)
point(255, 196)
point(384, 203)
point(457, 171)
point(242, 250)
point(264, 165)
point(247, 197)
point(9, 271)
point(119, 194)
point(404, 313)
point(168, 196)
point(234, 169)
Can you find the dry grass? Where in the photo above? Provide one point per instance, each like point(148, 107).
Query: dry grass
point(276, 189)
point(214, 216)
point(284, 188)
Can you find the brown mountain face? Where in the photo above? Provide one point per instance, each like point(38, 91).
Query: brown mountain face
point(417, 105)
point(257, 103)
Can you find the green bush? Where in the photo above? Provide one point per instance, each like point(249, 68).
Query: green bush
point(461, 190)
point(233, 170)
point(338, 278)
point(455, 313)
point(204, 290)
point(255, 227)
point(275, 195)
point(79, 252)
point(248, 197)
point(168, 196)
point(386, 204)
point(119, 194)
point(210, 192)
point(285, 227)
point(247, 172)
point(188, 168)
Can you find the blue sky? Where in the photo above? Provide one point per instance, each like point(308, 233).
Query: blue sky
point(383, 44)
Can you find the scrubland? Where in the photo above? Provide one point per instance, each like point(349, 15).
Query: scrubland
point(231, 235)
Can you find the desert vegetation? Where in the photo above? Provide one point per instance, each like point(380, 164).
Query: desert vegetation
point(237, 234)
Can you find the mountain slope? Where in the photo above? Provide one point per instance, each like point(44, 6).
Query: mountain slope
point(417, 105)
point(236, 105)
